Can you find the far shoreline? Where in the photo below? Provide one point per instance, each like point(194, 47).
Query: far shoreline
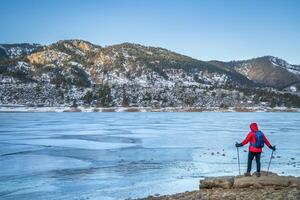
point(29, 109)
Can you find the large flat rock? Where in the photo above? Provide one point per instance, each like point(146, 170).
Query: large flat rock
point(266, 179)
point(224, 182)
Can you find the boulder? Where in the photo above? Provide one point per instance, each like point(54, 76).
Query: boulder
point(224, 182)
point(265, 179)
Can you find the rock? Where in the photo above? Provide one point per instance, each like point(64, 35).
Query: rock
point(46, 57)
point(257, 185)
point(229, 195)
point(224, 182)
point(265, 180)
point(294, 185)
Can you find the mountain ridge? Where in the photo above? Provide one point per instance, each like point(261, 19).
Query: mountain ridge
point(135, 44)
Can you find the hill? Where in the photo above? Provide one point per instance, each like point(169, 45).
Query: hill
point(77, 72)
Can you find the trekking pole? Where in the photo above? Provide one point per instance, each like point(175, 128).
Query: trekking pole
point(238, 154)
point(270, 162)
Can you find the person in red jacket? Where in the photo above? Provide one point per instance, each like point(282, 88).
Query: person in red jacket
point(254, 151)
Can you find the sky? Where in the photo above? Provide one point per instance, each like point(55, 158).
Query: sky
point(203, 29)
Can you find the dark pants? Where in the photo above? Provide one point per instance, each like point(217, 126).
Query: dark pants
point(251, 155)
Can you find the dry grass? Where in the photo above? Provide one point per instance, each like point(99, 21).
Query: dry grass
point(132, 110)
point(243, 110)
point(108, 110)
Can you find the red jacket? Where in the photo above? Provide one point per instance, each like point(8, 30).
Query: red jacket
point(251, 138)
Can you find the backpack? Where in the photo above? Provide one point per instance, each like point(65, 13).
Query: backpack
point(259, 140)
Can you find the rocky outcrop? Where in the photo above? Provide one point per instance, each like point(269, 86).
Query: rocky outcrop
point(267, 186)
point(47, 57)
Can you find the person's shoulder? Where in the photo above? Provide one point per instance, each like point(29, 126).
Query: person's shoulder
point(250, 133)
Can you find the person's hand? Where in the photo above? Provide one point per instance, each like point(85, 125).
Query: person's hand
point(273, 148)
point(238, 144)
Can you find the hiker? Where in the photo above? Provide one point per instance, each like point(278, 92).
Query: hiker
point(257, 140)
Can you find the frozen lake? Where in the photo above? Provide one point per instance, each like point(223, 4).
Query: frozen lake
point(129, 155)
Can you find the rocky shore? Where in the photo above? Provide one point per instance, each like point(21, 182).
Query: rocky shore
point(267, 186)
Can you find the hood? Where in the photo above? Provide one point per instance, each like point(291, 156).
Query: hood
point(254, 127)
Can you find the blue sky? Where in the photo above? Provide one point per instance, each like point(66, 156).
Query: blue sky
point(203, 29)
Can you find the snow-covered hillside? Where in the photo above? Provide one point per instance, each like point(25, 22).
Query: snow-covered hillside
point(76, 72)
point(268, 71)
point(295, 69)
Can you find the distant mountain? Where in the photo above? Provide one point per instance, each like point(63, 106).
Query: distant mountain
point(268, 71)
point(78, 72)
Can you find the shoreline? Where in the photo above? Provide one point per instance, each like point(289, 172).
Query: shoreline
point(268, 186)
point(21, 108)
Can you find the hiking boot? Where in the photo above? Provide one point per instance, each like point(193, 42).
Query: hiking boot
point(247, 174)
point(258, 174)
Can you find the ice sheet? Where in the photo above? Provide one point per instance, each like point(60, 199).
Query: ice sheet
point(129, 155)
